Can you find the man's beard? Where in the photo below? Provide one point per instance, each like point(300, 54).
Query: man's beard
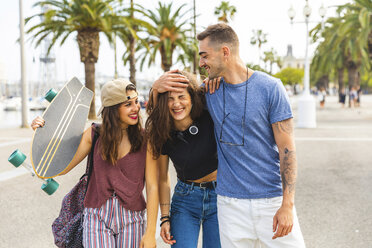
point(217, 72)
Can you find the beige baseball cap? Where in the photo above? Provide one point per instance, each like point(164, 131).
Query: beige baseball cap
point(114, 92)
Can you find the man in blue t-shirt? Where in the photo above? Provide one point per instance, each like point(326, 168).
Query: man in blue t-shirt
point(253, 127)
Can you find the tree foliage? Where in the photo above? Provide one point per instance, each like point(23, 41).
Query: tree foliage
point(86, 19)
point(167, 33)
point(290, 75)
point(225, 11)
point(344, 43)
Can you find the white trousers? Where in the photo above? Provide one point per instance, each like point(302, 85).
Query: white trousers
point(249, 223)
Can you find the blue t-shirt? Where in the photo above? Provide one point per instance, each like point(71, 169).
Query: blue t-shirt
point(251, 171)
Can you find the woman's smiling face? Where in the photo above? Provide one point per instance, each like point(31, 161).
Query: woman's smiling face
point(179, 105)
point(128, 110)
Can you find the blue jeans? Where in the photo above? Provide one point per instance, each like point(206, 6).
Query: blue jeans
point(192, 207)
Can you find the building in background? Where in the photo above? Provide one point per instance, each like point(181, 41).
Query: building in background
point(290, 61)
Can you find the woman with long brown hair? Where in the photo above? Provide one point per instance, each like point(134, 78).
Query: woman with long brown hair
point(114, 214)
point(180, 128)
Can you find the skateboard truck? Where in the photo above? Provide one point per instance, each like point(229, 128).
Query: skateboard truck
point(17, 158)
point(49, 96)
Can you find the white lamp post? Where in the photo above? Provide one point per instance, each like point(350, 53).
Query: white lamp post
point(23, 68)
point(322, 13)
point(291, 13)
point(306, 109)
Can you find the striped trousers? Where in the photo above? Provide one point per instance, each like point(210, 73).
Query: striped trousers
point(113, 226)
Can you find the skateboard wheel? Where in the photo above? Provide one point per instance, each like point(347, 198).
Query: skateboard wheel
point(17, 158)
point(50, 186)
point(49, 96)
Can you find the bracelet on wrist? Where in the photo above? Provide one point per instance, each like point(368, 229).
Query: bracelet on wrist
point(165, 217)
point(164, 221)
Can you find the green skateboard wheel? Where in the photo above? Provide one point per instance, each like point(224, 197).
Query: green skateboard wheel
point(49, 96)
point(17, 158)
point(50, 186)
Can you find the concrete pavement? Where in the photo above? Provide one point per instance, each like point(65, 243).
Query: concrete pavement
point(333, 196)
point(334, 193)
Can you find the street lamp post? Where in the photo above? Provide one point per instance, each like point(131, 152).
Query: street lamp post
point(306, 108)
point(322, 13)
point(23, 68)
point(307, 13)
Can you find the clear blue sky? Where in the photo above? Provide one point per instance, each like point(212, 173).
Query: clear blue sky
point(268, 15)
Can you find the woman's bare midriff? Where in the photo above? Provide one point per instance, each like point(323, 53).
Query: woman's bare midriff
point(208, 178)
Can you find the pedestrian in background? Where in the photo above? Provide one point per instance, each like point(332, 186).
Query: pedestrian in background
point(359, 94)
point(342, 97)
point(322, 96)
point(353, 97)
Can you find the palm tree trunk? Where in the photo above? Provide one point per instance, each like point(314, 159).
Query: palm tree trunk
point(165, 62)
point(323, 82)
point(259, 55)
point(195, 64)
point(370, 45)
point(115, 59)
point(352, 75)
point(88, 41)
point(271, 66)
point(132, 59)
point(340, 79)
point(132, 51)
point(90, 84)
point(166, 67)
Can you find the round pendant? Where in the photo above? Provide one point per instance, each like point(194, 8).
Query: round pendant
point(193, 129)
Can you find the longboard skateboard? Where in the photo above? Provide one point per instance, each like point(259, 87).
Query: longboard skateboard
point(55, 144)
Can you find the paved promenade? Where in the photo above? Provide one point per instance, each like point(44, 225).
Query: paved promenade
point(333, 196)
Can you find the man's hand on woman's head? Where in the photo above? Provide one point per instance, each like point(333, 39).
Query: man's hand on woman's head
point(211, 85)
point(170, 81)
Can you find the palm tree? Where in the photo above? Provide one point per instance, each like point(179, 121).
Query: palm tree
point(341, 47)
point(354, 34)
point(329, 57)
point(194, 58)
point(130, 38)
point(87, 18)
point(258, 38)
point(132, 48)
point(189, 56)
point(278, 61)
point(225, 11)
point(360, 17)
point(167, 34)
point(270, 56)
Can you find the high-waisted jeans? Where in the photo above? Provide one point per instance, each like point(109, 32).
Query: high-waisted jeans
point(192, 207)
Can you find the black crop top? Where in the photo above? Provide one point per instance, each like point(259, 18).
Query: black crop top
point(193, 156)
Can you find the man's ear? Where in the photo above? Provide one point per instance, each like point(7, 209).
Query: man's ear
point(226, 51)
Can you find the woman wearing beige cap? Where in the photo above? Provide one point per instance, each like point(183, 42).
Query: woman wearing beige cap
point(114, 214)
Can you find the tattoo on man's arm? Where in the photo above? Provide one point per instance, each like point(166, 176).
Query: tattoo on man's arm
point(285, 126)
point(289, 170)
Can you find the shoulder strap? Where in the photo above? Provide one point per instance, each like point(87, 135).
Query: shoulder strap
point(91, 154)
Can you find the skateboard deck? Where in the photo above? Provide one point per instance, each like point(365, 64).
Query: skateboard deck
point(55, 144)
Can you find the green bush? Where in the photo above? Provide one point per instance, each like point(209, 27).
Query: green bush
point(290, 75)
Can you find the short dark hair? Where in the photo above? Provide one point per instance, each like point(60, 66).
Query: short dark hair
point(220, 33)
